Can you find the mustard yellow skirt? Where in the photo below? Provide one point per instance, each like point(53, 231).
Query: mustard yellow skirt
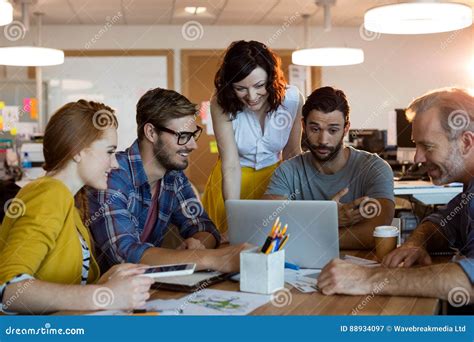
point(253, 185)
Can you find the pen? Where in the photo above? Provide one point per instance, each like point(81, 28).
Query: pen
point(144, 312)
point(139, 311)
point(277, 242)
point(170, 311)
point(291, 266)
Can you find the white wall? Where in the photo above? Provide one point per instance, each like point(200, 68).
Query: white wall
point(116, 81)
point(396, 68)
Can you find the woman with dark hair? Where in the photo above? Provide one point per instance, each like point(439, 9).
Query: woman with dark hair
point(45, 249)
point(257, 122)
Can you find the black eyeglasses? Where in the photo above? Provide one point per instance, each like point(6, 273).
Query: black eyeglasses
point(183, 137)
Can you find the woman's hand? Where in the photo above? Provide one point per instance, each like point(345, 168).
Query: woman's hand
point(123, 287)
point(121, 270)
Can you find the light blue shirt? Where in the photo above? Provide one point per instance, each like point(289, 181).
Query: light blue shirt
point(259, 149)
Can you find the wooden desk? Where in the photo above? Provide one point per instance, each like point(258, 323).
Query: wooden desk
point(318, 304)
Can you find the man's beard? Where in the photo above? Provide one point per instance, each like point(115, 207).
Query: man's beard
point(165, 157)
point(451, 170)
point(333, 151)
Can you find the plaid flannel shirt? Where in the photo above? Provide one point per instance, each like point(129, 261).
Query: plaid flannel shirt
point(118, 214)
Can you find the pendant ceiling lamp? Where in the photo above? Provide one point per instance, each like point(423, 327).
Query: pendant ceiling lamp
point(30, 56)
point(35, 56)
point(418, 17)
point(325, 56)
point(6, 13)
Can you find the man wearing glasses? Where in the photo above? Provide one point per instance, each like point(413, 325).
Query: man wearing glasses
point(149, 191)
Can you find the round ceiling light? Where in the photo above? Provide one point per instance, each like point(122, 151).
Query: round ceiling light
point(6, 13)
point(30, 56)
point(418, 18)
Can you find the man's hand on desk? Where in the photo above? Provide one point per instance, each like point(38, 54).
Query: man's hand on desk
point(348, 213)
point(342, 277)
point(227, 259)
point(408, 254)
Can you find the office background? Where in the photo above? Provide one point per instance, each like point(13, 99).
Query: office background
point(396, 67)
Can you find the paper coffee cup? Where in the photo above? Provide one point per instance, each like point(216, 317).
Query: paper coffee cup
point(386, 238)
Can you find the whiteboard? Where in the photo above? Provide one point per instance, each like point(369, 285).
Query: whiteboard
point(119, 82)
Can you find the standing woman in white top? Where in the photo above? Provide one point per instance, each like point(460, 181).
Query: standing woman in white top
point(257, 122)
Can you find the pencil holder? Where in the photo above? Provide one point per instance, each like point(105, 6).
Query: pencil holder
point(261, 273)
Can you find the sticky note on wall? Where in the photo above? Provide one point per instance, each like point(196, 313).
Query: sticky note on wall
point(30, 106)
point(213, 147)
point(34, 109)
point(26, 105)
point(2, 104)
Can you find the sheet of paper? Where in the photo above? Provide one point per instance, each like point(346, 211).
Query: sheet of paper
point(291, 275)
point(304, 287)
point(165, 307)
point(361, 261)
point(216, 302)
point(201, 303)
point(179, 307)
point(10, 117)
point(108, 313)
point(304, 280)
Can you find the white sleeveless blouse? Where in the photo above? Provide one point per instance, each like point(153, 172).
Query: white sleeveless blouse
point(259, 150)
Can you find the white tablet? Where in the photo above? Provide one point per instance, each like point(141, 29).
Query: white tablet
point(173, 270)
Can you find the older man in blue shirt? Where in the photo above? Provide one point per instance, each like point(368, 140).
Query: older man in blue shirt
point(443, 131)
point(149, 192)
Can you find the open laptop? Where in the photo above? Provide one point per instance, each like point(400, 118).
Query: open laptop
point(312, 225)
